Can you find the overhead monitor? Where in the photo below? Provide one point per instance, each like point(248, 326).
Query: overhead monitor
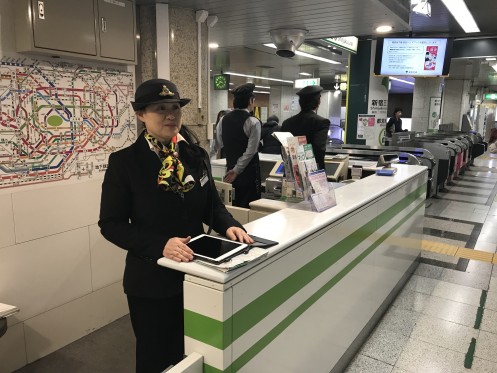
point(334, 169)
point(278, 170)
point(421, 57)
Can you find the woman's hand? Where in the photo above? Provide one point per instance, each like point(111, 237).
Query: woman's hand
point(238, 234)
point(177, 250)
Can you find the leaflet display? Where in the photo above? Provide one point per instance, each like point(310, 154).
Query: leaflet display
point(412, 57)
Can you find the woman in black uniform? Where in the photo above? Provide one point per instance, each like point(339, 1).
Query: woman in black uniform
point(155, 196)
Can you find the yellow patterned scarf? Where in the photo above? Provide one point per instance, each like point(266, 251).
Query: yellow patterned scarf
point(170, 176)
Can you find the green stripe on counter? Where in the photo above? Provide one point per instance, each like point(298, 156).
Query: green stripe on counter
point(278, 329)
point(209, 331)
point(255, 311)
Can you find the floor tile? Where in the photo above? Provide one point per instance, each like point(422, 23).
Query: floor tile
point(484, 366)
point(458, 293)
point(493, 284)
point(365, 364)
point(476, 267)
point(427, 270)
point(470, 189)
point(384, 345)
point(411, 300)
point(399, 320)
point(485, 246)
point(421, 284)
point(485, 346)
point(489, 322)
point(473, 184)
point(398, 370)
point(450, 226)
point(488, 237)
point(477, 281)
point(422, 357)
point(449, 310)
point(448, 241)
point(491, 301)
point(443, 333)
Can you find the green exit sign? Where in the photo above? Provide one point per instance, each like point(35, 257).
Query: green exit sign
point(491, 96)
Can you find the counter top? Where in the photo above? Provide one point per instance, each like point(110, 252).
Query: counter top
point(293, 224)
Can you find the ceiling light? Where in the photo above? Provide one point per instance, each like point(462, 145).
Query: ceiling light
point(213, 45)
point(267, 93)
point(384, 28)
point(305, 74)
point(461, 13)
point(262, 86)
point(303, 54)
point(423, 8)
point(491, 58)
point(402, 80)
point(260, 77)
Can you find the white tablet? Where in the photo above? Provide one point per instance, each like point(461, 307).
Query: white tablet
point(214, 249)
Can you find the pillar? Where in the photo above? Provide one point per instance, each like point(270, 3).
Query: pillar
point(424, 90)
point(456, 101)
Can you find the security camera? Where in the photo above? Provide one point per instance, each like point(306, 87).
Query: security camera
point(287, 41)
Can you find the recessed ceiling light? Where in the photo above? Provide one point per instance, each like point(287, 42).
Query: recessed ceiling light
point(267, 93)
point(384, 28)
point(213, 45)
point(461, 13)
point(260, 77)
point(491, 58)
point(262, 86)
point(305, 74)
point(303, 54)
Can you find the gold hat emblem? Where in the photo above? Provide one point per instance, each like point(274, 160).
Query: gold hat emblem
point(166, 91)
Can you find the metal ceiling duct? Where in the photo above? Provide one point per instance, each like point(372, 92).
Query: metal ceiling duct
point(287, 41)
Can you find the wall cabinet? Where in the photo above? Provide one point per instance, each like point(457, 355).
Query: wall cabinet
point(89, 29)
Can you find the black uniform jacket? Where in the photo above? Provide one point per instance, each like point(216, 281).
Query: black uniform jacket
point(139, 217)
point(312, 126)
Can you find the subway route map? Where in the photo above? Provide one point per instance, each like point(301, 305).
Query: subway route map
point(61, 121)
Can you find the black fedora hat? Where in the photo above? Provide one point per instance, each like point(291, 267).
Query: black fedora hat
point(154, 91)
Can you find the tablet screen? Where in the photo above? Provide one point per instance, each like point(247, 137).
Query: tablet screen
point(215, 248)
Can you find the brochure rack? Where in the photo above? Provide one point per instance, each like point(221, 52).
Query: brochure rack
point(302, 178)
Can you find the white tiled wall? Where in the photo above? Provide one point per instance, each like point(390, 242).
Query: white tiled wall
point(42, 212)
point(7, 233)
point(57, 268)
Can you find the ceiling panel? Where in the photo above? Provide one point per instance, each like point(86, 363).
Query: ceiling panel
point(243, 27)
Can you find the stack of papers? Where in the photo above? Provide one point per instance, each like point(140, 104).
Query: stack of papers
point(7, 310)
point(237, 261)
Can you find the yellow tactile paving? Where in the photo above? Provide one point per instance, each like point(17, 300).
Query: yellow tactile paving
point(474, 254)
point(461, 252)
point(439, 247)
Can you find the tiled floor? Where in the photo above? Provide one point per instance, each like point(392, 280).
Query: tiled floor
point(432, 322)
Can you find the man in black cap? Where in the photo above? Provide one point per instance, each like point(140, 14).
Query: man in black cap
point(239, 133)
point(307, 123)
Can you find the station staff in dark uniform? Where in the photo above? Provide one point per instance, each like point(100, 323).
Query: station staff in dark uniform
point(239, 133)
point(307, 123)
point(155, 196)
point(394, 123)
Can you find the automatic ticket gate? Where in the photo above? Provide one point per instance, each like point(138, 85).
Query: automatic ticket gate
point(407, 155)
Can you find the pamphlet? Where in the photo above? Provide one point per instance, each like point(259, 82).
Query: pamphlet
point(282, 137)
point(324, 195)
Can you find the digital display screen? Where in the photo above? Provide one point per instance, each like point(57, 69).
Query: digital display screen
point(212, 247)
point(412, 56)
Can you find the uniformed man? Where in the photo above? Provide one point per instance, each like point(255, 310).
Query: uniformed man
point(239, 133)
point(307, 123)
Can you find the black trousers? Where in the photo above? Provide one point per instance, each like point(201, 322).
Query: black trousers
point(247, 186)
point(158, 328)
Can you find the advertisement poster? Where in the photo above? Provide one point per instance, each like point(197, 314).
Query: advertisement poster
point(422, 57)
point(435, 106)
point(365, 126)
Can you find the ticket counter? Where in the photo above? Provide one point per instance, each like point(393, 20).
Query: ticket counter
point(310, 303)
